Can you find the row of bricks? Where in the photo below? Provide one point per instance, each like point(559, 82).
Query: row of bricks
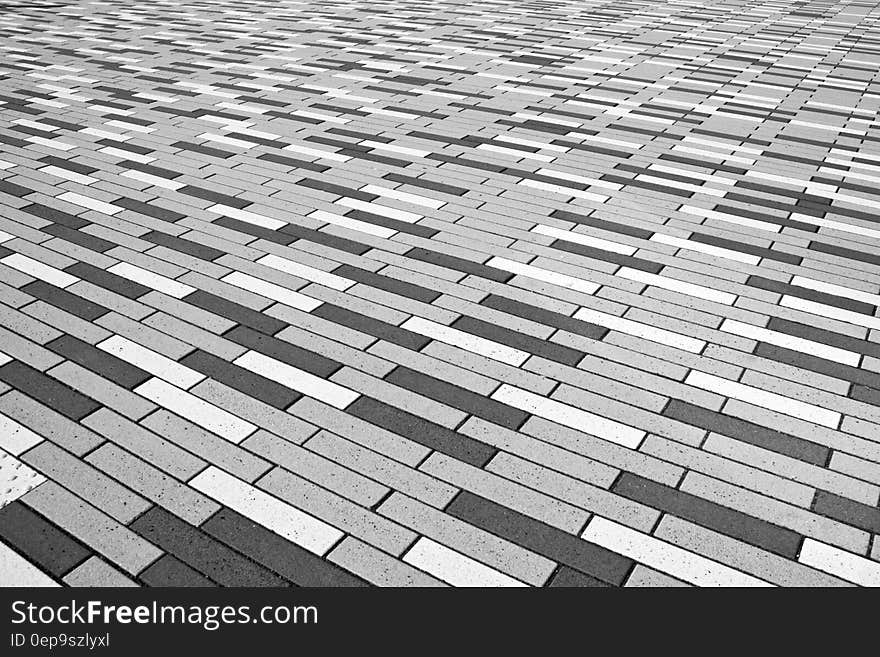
point(172, 347)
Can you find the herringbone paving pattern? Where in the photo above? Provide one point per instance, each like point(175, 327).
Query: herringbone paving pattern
point(424, 292)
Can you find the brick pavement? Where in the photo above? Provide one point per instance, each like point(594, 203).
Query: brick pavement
point(492, 293)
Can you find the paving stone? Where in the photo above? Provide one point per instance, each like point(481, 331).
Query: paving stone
point(778, 513)
point(703, 512)
point(46, 422)
point(756, 561)
point(171, 571)
point(749, 432)
point(566, 577)
point(64, 300)
point(324, 472)
point(558, 545)
point(41, 541)
point(201, 552)
point(731, 468)
point(206, 445)
point(240, 379)
point(153, 484)
point(377, 567)
point(106, 537)
point(528, 502)
point(283, 557)
point(283, 424)
point(338, 511)
point(603, 451)
point(421, 431)
point(84, 480)
point(643, 576)
point(95, 572)
point(363, 433)
point(578, 493)
point(853, 513)
point(396, 475)
point(817, 478)
point(470, 540)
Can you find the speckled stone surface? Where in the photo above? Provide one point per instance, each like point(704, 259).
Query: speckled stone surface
point(439, 293)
